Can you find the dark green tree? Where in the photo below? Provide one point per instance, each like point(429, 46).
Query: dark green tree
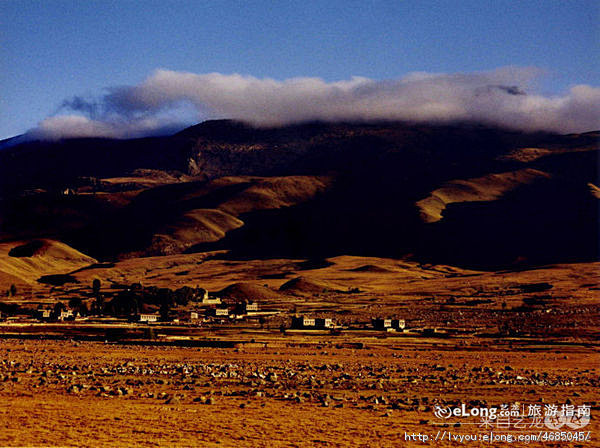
point(165, 309)
point(74, 303)
point(83, 309)
point(96, 286)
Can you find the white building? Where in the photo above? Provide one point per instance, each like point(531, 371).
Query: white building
point(65, 314)
point(389, 324)
point(251, 306)
point(323, 323)
point(206, 300)
point(382, 324)
point(43, 314)
point(399, 324)
point(221, 312)
point(303, 322)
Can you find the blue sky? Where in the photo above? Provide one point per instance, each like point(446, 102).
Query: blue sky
point(51, 50)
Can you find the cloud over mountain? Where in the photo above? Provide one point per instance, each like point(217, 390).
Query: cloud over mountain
point(503, 97)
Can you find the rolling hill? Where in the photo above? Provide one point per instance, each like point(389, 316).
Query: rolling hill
point(26, 262)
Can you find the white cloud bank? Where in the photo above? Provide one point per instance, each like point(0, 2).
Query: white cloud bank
point(500, 97)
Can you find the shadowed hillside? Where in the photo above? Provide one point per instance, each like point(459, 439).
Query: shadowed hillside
point(463, 194)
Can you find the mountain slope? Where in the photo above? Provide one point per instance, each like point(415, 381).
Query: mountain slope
point(312, 191)
point(26, 262)
point(486, 188)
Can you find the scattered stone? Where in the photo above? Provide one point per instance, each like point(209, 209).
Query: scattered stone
point(172, 400)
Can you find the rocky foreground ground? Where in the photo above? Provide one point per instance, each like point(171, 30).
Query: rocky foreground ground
point(299, 392)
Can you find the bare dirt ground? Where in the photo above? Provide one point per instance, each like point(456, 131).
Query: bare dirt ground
point(290, 391)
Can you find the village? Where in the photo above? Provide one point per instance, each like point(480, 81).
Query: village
point(141, 307)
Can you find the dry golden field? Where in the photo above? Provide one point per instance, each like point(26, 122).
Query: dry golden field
point(300, 391)
point(498, 341)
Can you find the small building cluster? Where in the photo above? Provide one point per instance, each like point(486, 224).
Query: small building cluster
point(388, 324)
point(237, 311)
point(303, 323)
point(322, 323)
point(66, 315)
point(60, 315)
point(205, 307)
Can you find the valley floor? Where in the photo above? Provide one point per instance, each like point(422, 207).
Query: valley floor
point(301, 391)
point(522, 338)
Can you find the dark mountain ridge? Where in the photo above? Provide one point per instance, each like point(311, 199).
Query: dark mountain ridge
point(225, 147)
point(379, 172)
